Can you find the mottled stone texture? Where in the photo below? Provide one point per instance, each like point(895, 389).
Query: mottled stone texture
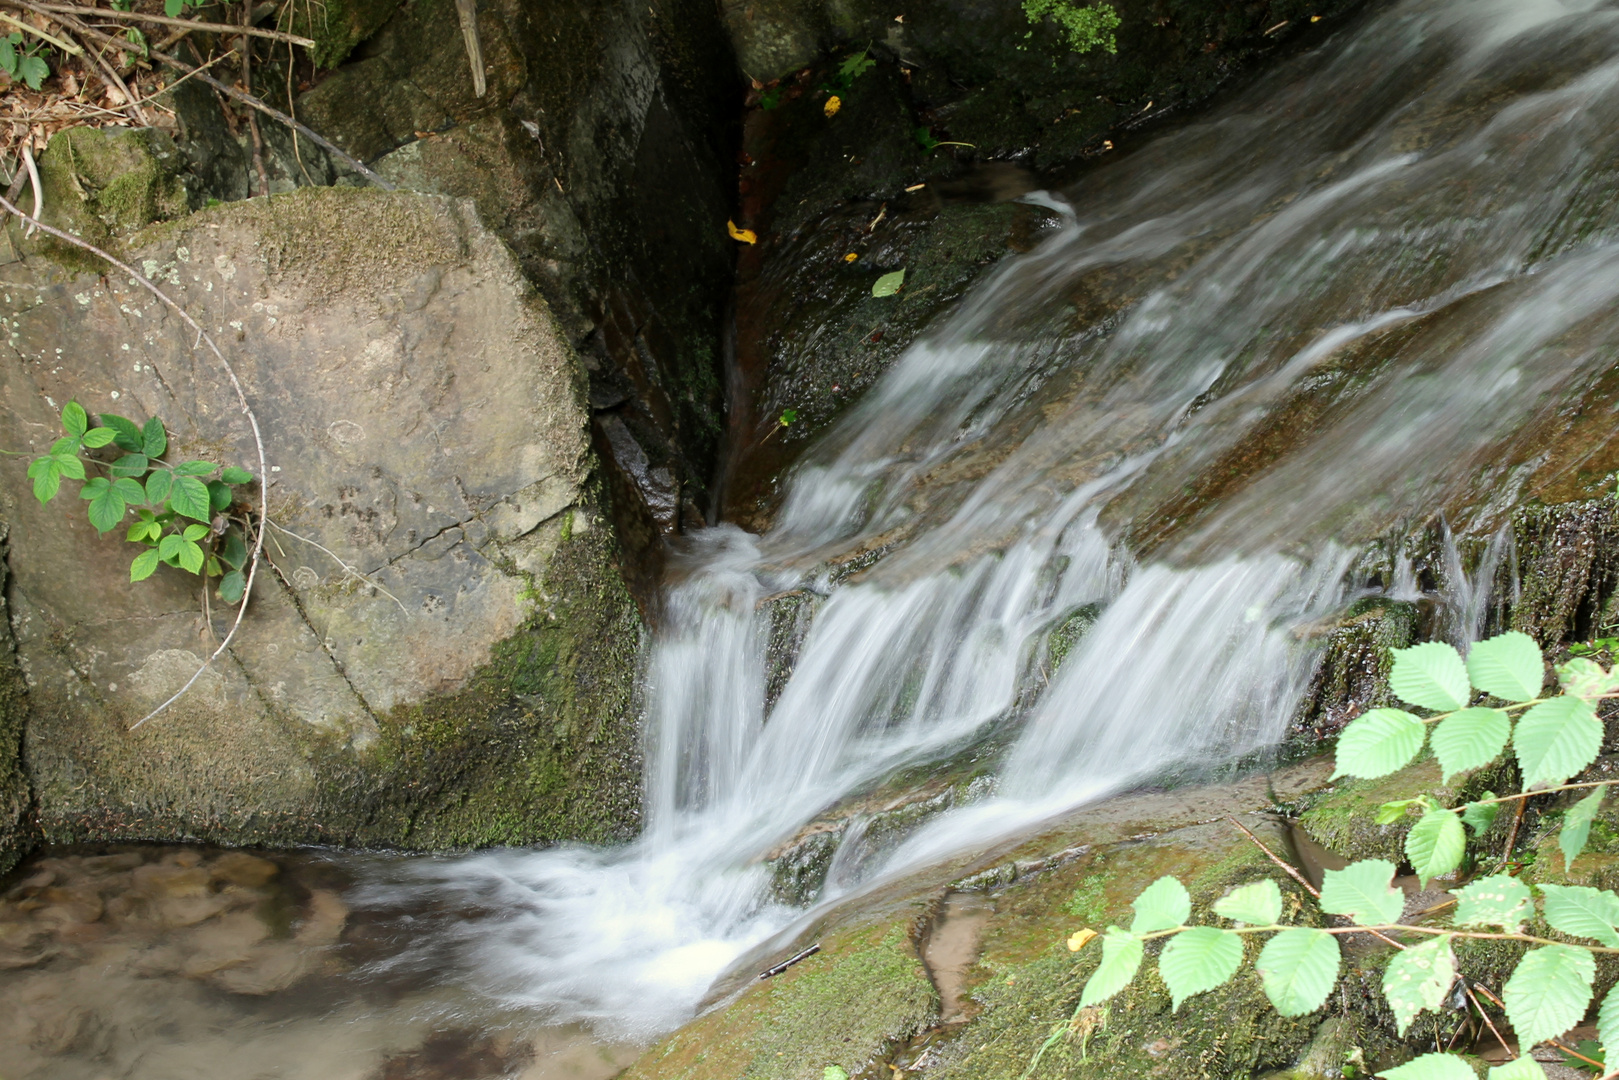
point(15, 830)
point(425, 426)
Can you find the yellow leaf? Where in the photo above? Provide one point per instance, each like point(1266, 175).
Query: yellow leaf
point(833, 104)
point(745, 235)
point(1078, 941)
point(851, 257)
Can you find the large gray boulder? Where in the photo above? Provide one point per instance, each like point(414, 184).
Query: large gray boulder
point(439, 650)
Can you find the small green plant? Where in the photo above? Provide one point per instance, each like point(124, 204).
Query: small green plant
point(1087, 28)
point(24, 63)
point(1592, 648)
point(849, 70)
point(1477, 709)
point(182, 511)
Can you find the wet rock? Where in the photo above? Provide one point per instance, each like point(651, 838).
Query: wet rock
point(16, 831)
point(222, 943)
point(161, 882)
point(240, 868)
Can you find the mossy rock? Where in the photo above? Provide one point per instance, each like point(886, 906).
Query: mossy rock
point(337, 26)
point(1343, 819)
point(104, 184)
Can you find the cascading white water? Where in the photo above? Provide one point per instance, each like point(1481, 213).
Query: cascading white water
point(1407, 228)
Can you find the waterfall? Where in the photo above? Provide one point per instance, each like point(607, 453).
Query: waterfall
point(1352, 297)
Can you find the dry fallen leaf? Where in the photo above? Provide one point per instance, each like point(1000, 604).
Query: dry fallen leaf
point(833, 104)
point(745, 235)
point(851, 257)
point(1080, 939)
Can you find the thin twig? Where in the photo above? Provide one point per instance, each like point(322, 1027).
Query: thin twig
point(39, 190)
point(1512, 835)
point(1571, 1052)
point(346, 567)
point(109, 74)
point(1291, 871)
point(241, 397)
point(189, 24)
point(1486, 1018)
point(65, 46)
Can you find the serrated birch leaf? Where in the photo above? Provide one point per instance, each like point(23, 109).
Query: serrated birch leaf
point(1377, 743)
point(1479, 816)
point(1418, 979)
point(1163, 905)
point(1508, 666)
point(1581, 911)
point(1361, 891)
point(1577, 826)
point(1198, 960)
point(1435, 845)
point(1431, 675)
point(1121, 958)
point(1470, 739)
point(1548, 993)
point(1524, 1068)
point(1608, 1023)
point(1297, 968)
point(1432, 1067)
point(1555, 740)
point(1501, 900)
point(1259, 903)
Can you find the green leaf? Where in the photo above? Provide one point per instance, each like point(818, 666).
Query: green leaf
point(1580, 911)
point(1121, 957)
point(194, 468)
point(1479, 816)
point(46, 473)
point(1470, 739)
point(1377, 743)
point(233, 551)
point(1418, 979)
point(189, 498)
point(1586, 679)
point(1508, 665)
point(144, 530)
point(1390, 812)
point(1548, 993)
point(1432, 1067)
point(74, 420)
point(1501, 900)
point(1198, 960)
point(72, 467)
point(1555, 740)
point(153, 438)
point(231, 587)
point(131, 465)
point(158, 486)
point(1431, 675)
point(1361, 891)
point(143, 566)
point(1524, 1068)
point(1435, 845)
point(191, 557)
point(1608, 1023)
point(1577, 826)
point(219, 495)
point(107, 508)
point(888, 284)
point(1163, 905)
point(235, 475)
point(94, 487)
point(195, 532)
point(1298, 968)
point(131, 490)
point(1259, 903)
point(98, 437)
point(213, 569)
point(125, 433)
point(834, 1072)
point(33, 70)
point(169, 547)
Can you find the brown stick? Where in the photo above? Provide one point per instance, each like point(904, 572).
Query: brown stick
point(241, 397)
point(109, 74)
point(1512, 834)
point(231, 92)
point(189, 24)
point(1486, 1018)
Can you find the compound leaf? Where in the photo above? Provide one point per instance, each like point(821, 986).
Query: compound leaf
point(1555, 740)
point(1163, 905)
point(1121, 957)
point(143, 566)
point(191, 556)
point(1431, 675)
point(1501, 900)
point(158, 486)
point(1508, 666)
point(1577, 826)
point(1198, 960)
point(1548, 993)
point(1259, 903)
point(1418, 979)
point(1470, 739)
point(189, 498)
point(1435, 844)
point(1298, 968)
point(169, 547)
point(125, 433)
point(106, 508)
point(1581, 911)
point(195, 532)
point(1361, 891)
point(1377, 743)
point(98, 437)
point(1432, 1067)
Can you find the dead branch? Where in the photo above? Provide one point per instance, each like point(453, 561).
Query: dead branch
point(241, 397)
point(188, 24)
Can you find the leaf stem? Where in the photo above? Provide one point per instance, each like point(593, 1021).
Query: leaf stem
point(1385, 928)
point(1530, 794)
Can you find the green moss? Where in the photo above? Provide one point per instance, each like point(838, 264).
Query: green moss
point(1343, 819)
point(338, 25)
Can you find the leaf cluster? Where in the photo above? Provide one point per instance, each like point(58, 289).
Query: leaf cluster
point(182, 510)
point(1086, 28)
point(24, 63)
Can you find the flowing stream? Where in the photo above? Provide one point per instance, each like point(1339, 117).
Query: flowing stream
point(1258, 347)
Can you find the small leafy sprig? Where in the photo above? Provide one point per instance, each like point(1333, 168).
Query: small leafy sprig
point(182, 517)
point(23, 63)
point(1553, 739)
